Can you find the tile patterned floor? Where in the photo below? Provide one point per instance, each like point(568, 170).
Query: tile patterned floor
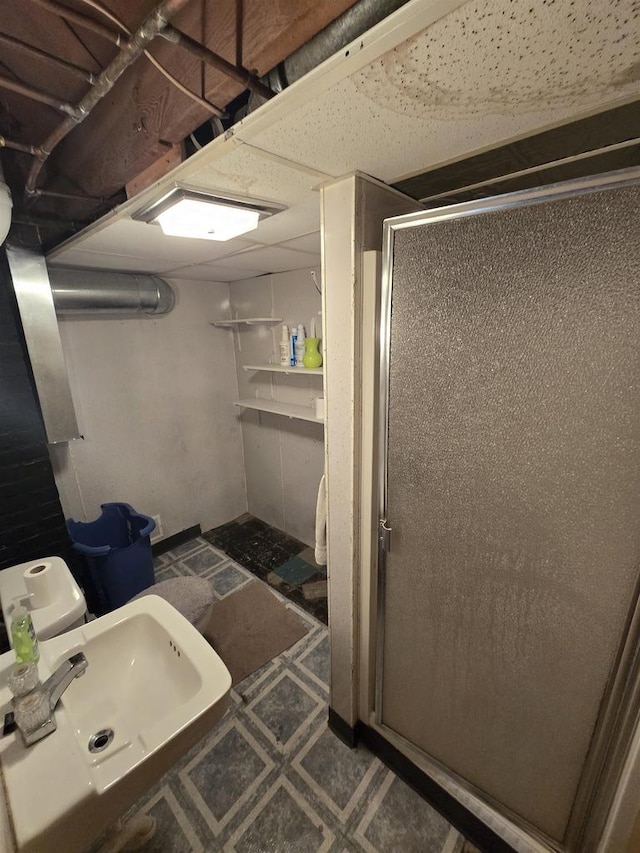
point(271, 777)
point(283, 562)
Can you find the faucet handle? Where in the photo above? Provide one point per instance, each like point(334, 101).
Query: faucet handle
point(23, 678)
point(32, 711)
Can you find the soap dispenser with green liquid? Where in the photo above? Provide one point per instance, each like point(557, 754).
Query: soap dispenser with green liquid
point(23, 635)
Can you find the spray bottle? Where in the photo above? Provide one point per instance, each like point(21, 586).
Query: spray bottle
point(300, 346)
point(284, 347)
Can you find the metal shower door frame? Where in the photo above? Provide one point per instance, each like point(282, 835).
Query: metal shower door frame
point(620, 709)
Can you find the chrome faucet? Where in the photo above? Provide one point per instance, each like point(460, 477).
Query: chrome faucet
point(35, 713)
point(57, 683)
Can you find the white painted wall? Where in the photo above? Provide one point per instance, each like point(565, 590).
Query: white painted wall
point(284, 458)
point(154, 398)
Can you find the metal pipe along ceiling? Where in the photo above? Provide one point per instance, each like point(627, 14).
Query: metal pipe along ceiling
point(77, 291)
point(153, 24)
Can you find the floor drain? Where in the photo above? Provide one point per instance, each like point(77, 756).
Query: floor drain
point(100, 740)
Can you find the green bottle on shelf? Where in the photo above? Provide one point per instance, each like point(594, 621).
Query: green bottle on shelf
point(312, 357)
point(23, 635)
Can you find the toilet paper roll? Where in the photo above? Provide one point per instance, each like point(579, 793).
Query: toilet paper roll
point(40, 582)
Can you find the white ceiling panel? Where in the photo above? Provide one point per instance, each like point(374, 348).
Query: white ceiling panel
point(273, 259)
point(212, 272)
point(104, 261)
point(308, 243)
point(533, 65)
point(145, 247)
point(301, 219)
point(248, 172)
point(145, 241)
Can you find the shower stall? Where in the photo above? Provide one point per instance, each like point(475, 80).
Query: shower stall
point(503, 647)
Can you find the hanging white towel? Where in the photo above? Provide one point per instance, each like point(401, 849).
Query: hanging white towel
point(321, 524)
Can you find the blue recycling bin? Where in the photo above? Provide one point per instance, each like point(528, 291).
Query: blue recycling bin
point(117, 550)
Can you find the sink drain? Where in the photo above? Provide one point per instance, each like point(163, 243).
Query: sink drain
point(100, 740)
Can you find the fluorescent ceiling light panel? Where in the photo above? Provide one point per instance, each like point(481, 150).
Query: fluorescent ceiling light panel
point(207, 220)
point(191, 213)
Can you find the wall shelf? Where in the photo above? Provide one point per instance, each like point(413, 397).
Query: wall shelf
point(288, 410)
point(246, 321)
point(278, 368)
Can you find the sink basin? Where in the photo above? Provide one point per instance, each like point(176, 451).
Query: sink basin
point(141, 685)
point(153, 688)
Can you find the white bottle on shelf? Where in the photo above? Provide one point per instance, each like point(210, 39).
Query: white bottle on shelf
point(300, 346)
point(284, 346)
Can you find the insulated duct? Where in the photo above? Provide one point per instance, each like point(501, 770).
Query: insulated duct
point(350, 25)
point(77, 291)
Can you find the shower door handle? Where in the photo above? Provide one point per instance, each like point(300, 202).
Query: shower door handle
point(384, 535)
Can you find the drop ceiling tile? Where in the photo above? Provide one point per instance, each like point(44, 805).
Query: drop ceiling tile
point(273, 259)
point(303, 218)
point(249, 172)
point(215, 272)
point(103, 261)
point(420, 107)
point(308, 243)
point(144, 241)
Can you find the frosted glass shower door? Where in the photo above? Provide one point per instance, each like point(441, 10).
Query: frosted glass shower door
point(510, 360)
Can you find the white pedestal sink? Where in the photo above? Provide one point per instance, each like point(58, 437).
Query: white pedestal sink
point(152, 681)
